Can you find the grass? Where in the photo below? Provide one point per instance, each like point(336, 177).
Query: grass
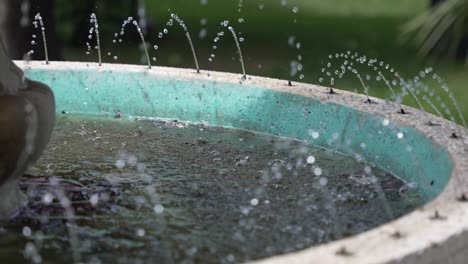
point(370, 27)
point(371, 8)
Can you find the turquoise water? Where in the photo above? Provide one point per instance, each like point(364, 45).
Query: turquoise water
point(169, 192)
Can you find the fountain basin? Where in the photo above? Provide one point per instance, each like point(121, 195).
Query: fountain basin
point(405, 145)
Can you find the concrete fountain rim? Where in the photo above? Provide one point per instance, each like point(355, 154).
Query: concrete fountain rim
point(432, 234)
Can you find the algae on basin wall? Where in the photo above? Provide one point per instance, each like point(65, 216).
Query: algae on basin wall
point(413, 157)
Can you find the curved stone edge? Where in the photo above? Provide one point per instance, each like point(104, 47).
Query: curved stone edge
point(435, 233)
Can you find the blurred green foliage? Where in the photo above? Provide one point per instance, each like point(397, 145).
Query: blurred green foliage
point(370, 27)
point(442, 29)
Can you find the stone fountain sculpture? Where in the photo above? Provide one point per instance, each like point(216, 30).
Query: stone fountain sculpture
point(27, 117)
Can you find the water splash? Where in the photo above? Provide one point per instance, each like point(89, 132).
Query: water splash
point(193, 51)
point(237, 41)
point(72, 226)
point(32, 125)
point(403, 85)
point(414, 87)
point(398, 99)
point(377, 66)
point(296, 65)
point(418, 82)
point(143, 22)
point(187, 34)
point(297, 182)
point(38, 22)
point(25, 8)
point(444, 86)
point(240, 5)
point(95, 28)
point(131, 21)
point(241, 58)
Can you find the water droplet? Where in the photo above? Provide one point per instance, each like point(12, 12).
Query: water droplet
point(317, 171)
point(119, 164)
point(47, 198)
point(141, 232)
point(254, 202)
point(203, 21)
point(314, 134)
point(94, 199)
point(159, 209)
point(367, 169)
point(27, 231)
point(323, 181)
point(400, 135)
point(203, 33)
